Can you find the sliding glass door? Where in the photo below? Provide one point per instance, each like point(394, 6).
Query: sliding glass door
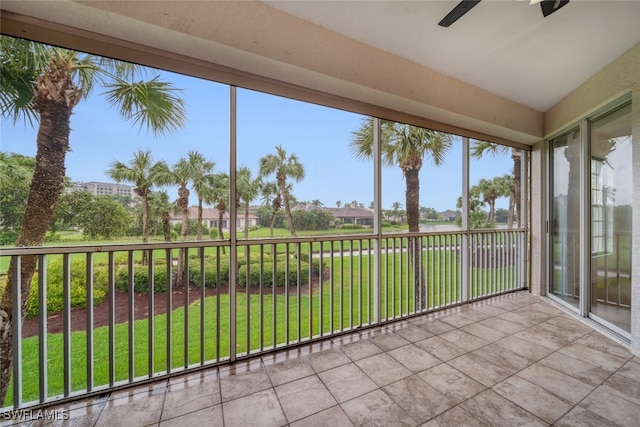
point(590, 211)
point(611, 209)
point(564, 221)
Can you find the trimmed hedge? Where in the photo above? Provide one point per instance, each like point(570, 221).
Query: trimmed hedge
point(141, 278)
point(211, 277)
point(77, 286)
point(281, 274)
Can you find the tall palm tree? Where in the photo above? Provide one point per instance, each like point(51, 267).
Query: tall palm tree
point(480, 148)
point(42, 85)
point(143, 173)
point(202, 171)
point(284, 167)
point(248, 188)
point(405, 146)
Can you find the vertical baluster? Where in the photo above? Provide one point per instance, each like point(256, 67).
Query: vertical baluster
point(42, 328)
point(261, 297)
point(247, 291)
point(169, 295)
point(16, 297)
point(89, 319)
point(298, 285)
point(131, 307)
point(203, 294)
point(66, 322)
point(286, 294)
point(112, 319)
point(151, 315)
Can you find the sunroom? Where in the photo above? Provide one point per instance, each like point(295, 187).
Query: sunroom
point(496, 301)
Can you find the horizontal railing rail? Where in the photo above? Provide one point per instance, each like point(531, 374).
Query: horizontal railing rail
point(100, 317)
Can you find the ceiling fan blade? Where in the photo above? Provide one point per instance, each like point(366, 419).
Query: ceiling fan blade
point(458, 12)
point(550, 6)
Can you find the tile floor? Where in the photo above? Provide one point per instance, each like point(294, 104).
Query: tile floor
point(514, 360)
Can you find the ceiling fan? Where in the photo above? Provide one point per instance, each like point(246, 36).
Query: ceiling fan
point(547, 6)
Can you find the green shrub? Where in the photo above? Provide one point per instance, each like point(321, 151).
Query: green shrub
point(352, 227)
point(281, 274)
point(77, 286)
point(141, 278)
point(211, 278)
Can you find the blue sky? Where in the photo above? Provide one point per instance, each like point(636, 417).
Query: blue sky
point(318, 135)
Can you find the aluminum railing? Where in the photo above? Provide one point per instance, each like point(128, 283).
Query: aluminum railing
point(243, 300)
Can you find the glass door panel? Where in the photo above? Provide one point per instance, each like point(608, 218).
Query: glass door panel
point(611, 224)
point(564, 221)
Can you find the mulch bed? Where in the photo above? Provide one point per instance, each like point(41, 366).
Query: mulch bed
point(141, 307)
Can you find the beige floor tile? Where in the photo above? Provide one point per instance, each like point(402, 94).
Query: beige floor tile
point(546, 338)
point(413, 333)
point(532, 351)
point(376, 409)
point(242, 384)
point(73, 415)
point(502, 325)
point(532, 398)
point(464, 339)
point(580, 417)
point(288, 370)
point(484, 332)
point(332, 417)
point(479, 369)
point(261, 408)
point(630, 370)
point(420, 400)
point(346, 382)
point(360, 350)
point(414, 358)
point(327, 359)
point(606, 361)
point(623, 387)
point(598, 341)
point(441, 348)
point(389, 341)
point(612, 407)
point(458, 320)
point(211, 415)
point(556, 382)
point(451, 382)
point(456, 417)
point(502, 357)
point(433, 326)
point(304, 397)
point(383, 369)
point(139, 409)
point(495, 410)
point(190, 393)
point(576, 368)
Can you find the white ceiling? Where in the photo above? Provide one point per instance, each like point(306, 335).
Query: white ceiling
point(505, 47)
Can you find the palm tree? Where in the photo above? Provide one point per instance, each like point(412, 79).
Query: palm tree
point(284, 167)
point(161, 207)
point(338, 204)
point(405, 146)
point(200, 179)
point(143, 173)
point(248, 189)
point(479, 148)
point(219, 196)
point(42, 85)
point(491, 190)
point(271, 197)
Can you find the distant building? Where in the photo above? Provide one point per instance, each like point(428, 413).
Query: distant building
point(105, 189)
point(210, 218)
point(345, 215)
point(449, 215)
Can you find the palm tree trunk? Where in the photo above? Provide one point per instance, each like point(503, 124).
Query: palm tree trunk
point(45, 189)
point(183, 202)
point(145, 225)
point(166, 226)
point(413, 198)
point(287, 208)
point(246, 220)
point(199, 217)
